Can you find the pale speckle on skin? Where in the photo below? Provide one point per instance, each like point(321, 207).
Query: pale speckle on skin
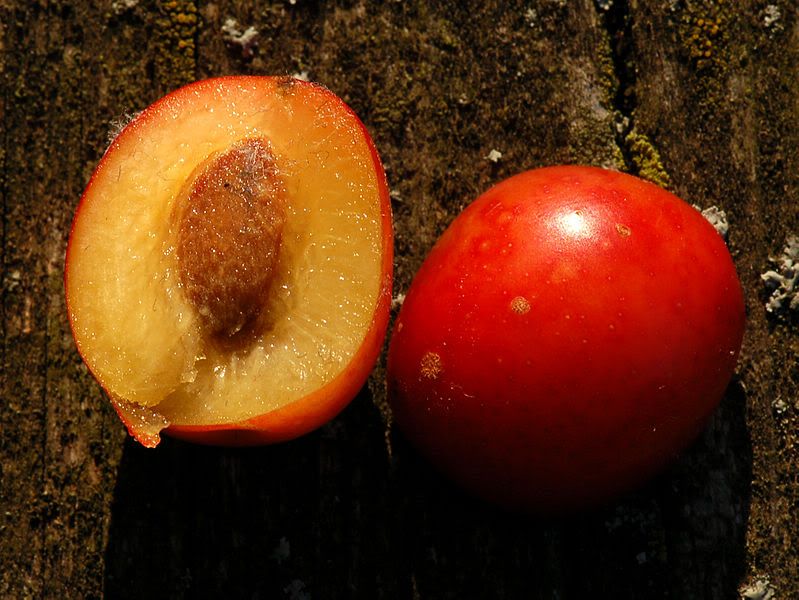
point(623, 230)
point(520, 305)
point(430, 365)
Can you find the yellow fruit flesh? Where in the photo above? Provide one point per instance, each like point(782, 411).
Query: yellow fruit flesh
point(134, 325)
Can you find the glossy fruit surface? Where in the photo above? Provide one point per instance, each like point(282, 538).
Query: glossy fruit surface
point(571, 331)
point(229, 268)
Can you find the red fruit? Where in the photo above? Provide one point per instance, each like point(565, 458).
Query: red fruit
point(229, 268)
point(571, 331)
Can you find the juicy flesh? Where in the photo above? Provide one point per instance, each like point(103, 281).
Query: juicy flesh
point(136, 326)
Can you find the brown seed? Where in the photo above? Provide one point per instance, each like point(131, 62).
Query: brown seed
point(230, 220)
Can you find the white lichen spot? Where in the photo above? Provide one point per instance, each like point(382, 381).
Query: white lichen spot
point(716, 217)
point(301, 75)
point(780, 406)
point(12, 280)
point(771, 16)
point(246, 39)
point(531, 16)
point(493, 156)
point(783, 282)
point(761, 589)
point(397, 301)
point(120, 6)
point(604, 5)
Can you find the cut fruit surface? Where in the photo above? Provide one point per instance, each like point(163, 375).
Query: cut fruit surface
point(231, 260)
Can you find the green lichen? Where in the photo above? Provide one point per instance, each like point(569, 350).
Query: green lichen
point(711, 41)
point(176, 28)
point(704, 33)
point(646, 159)
point(591, 142)
point(607, 70)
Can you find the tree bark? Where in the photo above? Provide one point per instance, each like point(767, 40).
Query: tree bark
point(699, 97)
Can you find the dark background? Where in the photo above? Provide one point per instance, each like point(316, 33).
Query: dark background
point(700, 97)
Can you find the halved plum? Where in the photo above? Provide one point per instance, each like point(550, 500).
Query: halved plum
point(229, 269)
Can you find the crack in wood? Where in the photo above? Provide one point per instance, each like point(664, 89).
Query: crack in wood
point(617, 21)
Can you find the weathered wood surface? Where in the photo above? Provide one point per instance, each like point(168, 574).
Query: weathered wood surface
point(699, 96)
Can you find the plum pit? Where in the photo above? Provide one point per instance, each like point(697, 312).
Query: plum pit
point(229, 221)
